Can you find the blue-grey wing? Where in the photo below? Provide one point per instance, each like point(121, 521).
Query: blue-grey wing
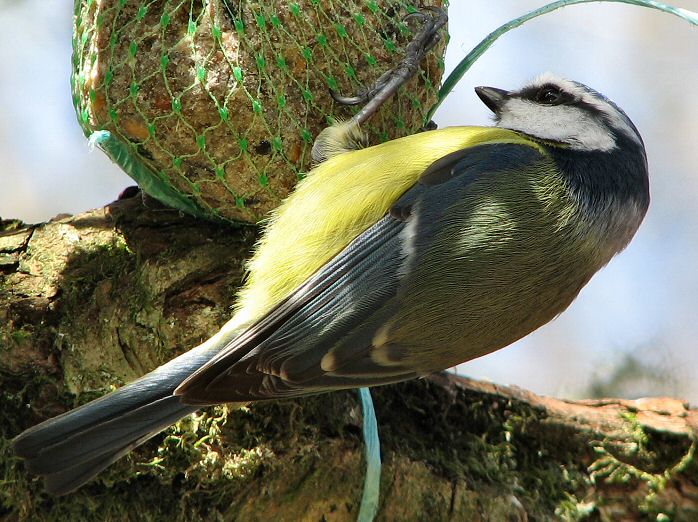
point(323, 336)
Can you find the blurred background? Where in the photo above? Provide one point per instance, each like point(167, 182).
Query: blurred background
point(632, 332)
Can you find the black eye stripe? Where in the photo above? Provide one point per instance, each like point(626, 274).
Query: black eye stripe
point(548, 94)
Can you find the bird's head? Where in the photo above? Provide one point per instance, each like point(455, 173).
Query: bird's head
point(564, 112)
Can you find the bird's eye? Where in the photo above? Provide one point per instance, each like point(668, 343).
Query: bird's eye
point(549, 95)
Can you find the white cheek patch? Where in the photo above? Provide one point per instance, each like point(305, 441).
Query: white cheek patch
point(613, 117)
point(571, 125)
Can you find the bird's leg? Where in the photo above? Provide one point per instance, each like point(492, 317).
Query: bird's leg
point(347, 136)
point(433, 19)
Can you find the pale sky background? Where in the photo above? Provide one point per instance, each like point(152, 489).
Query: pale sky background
point(643, 303)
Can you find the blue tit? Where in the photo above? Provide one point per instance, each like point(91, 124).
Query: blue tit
point(394, 261)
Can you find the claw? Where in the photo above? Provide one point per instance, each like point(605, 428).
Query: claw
point(433, 19)
point(429, 35)
point(365, 95)
point(361, 97)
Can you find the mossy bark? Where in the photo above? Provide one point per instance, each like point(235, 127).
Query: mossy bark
point(91, 301)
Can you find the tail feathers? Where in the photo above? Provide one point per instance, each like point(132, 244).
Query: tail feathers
point(106, 437)
point(76, 468)
point(72, 448)
point(63, 482)
point(74, 423)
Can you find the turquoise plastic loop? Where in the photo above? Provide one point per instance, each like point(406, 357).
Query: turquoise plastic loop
point(371, 495)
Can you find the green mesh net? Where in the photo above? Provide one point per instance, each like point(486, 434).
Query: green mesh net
point(213, 106)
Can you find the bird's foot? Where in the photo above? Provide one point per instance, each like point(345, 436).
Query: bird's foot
point(433, 19)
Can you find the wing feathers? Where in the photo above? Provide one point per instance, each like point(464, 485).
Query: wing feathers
point(306, 324)
point(323, 336)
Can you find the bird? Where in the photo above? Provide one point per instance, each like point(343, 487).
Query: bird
point(392, 262)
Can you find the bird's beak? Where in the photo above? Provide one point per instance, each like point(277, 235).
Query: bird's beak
point(492, 97)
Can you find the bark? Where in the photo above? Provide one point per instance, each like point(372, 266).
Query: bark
point(91, 301)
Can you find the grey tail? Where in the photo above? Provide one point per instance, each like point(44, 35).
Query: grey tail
point(70, 449)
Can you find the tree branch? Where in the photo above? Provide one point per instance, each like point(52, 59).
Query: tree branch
point(95, 300)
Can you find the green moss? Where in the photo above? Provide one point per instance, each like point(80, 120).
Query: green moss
point(646, 464)
point(226, 463)
point(92, 264)
point(96, 278)
point(10, 225)
point(21, 336)
point(485, 443)
point(17, 492)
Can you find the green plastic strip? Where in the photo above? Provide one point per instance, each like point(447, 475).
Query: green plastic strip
point(485, 44)
point(146, 179)
point(369, 500)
